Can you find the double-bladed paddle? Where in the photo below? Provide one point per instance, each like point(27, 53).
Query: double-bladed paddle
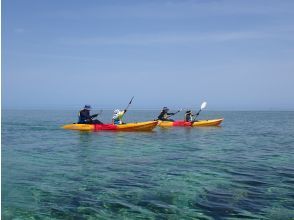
point(174, 113)
point(95, 115)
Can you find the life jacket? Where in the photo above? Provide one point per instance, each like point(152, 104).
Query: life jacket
point(188, 117)
point(162, 115)
point(117, 118)
point(84, 115)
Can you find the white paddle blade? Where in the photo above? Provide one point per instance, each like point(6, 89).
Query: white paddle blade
point(203, 105)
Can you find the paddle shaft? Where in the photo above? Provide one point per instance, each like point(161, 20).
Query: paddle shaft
point(198, 113)
point(95, 115)
point(196, 116)
point(173, 114)
point(129, 104)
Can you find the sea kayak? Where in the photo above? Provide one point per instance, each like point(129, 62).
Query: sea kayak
point(212, 122)
point(136, 126)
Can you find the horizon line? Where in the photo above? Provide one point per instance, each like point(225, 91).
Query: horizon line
point(145, 109)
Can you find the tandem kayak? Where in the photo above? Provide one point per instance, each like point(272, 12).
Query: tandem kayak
point(212, 122)
point(136, 126)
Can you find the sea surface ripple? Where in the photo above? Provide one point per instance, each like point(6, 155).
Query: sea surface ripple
point(241, 170)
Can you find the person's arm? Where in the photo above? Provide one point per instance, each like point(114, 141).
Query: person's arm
point(93, 116)
point(121, 114)
point(195, 116)
point(170, 113)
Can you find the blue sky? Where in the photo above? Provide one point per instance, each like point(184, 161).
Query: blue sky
point(236, 55)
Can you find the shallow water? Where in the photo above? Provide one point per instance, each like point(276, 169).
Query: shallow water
point(242, 170)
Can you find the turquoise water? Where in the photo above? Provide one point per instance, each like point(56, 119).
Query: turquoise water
point(242, 170)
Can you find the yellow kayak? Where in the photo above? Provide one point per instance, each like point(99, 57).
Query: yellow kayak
point(212, 122)
point(136, 126)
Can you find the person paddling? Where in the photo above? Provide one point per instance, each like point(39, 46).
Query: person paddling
point(86, 118)
point(189, 117)
point(117, 116)
point(164, 115)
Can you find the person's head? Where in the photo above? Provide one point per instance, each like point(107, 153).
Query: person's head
point(116, 111)
point(87, 107)
point(188, 112)
point(165, 109)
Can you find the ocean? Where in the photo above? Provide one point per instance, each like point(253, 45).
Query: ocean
point(241, 170)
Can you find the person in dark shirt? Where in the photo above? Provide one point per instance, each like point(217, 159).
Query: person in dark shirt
point(164, 115)
point(86, 118)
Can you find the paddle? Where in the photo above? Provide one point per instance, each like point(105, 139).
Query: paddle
point(124, 112)
point(174, 113)
point(203, 106)
point(95, 115)
point(129, 104)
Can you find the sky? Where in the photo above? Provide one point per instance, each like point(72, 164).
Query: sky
point(63, 54)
